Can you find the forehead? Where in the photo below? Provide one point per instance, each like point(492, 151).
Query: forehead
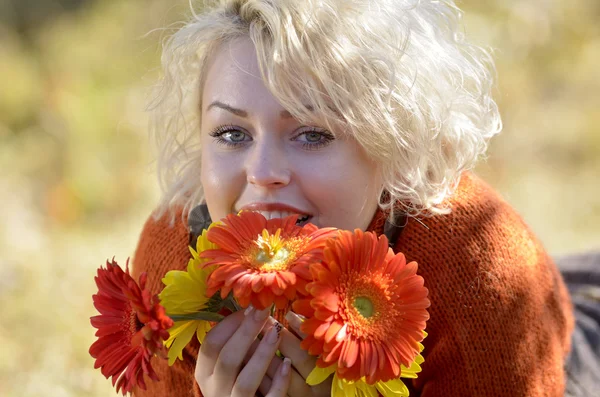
point(233, 76)
point(233, 71)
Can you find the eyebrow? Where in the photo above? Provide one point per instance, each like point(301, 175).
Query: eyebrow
point(284, 114)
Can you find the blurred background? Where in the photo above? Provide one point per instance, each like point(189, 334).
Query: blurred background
point(77, 179)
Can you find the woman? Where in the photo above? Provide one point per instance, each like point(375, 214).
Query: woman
point(351, 113)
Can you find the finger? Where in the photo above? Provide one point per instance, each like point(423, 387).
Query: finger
point(298, 386)
point(295, 321)
point(213, 343)
point(276, 360)
point(265, 385)
point(251, 351)
point(281, 382)
point(249, 378)
point(273, 366)
point(233, 353)
point(302, 362)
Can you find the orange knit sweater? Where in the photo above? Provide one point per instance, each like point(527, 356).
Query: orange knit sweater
point(501, 317)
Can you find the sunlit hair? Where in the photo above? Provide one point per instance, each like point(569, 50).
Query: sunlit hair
point(397, 73)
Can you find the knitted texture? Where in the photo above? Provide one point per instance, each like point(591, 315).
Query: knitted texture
point(501, 317)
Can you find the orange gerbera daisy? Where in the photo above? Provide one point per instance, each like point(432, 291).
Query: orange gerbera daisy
point(132, 326)
point(262, 261)
point(366, 311)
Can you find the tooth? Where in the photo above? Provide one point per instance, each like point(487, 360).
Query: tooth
point(282, 214)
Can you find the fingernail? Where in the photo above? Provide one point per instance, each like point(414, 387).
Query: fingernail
point(248, 310)
point(261, 315)
point(278, 327)
point(293, 317)
point(285, 367)
point(290, 317)
point(272, 321)
point(273, 335)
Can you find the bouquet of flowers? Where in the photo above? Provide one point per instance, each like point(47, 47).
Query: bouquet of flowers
point(364, 307)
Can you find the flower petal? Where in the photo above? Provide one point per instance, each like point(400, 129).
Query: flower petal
point(318, 375)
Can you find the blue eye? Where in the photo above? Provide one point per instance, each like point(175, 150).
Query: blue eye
point(234, 136)
point(230, 136)
point(314, 138)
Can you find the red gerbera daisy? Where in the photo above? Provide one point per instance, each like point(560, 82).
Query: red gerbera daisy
point(132, 326)
point(262, 261)
point(367, 308)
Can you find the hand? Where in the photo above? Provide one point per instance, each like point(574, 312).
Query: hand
point(302, 362)
point(227, 367)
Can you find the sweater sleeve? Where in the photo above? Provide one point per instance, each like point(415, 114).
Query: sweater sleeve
point(162, 247)
point(500, 316)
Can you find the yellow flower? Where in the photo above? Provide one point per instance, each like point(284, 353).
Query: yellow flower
point(360, 388)
point(185, 293)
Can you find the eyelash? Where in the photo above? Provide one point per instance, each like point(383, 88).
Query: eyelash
point(327, 138)
point(219, 131)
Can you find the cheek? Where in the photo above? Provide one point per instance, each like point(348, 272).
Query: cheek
point(343, 191)
point(221, 182)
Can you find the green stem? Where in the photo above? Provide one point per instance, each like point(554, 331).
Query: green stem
point(231, 305)
point(206, 316)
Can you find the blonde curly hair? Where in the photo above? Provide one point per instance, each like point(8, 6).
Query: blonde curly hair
point(398, 73)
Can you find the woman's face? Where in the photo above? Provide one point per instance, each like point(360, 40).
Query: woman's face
point(256, 156)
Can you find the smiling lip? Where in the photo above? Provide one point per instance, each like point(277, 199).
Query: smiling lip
point(273, 207)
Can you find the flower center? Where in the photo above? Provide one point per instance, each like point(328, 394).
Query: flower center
point(272, 252)
point(364, 306)
point(269, 245)
point(369, 307)
point(132, 324)
point(272, 258)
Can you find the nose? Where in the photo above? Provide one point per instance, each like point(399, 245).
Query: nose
point(267, 166)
